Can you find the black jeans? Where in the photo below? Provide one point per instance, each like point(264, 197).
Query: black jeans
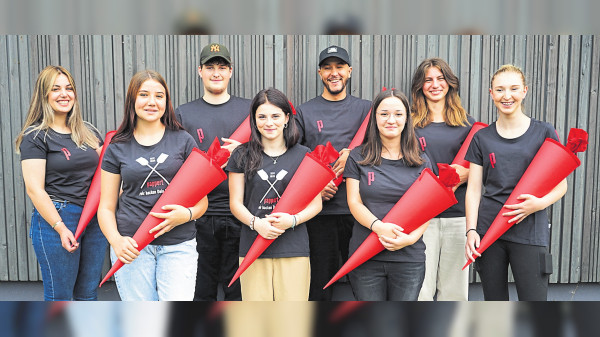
point(529, 265)
point(328, 236)
point(218, 245)
point(387, 281)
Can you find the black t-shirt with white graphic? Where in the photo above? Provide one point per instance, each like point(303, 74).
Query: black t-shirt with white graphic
point(321, 121)
point(441, 143)
point(146, 171)
point(504, 162)
point(69, 169)
point(261, 194)
point(205, 121)
point(380, 189)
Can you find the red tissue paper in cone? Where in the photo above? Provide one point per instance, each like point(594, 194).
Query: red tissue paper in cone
point(356, 141)
point(552, 163)
point(242, 133)
point(93, 197)
point(310, 178)
point(187, 188)
point(426, 198)
point(460, 156)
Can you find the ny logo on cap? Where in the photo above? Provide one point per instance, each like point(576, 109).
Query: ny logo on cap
point(332, 50)
point(214, 47)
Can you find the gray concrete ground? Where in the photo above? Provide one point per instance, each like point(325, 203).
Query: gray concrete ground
point(33, 291)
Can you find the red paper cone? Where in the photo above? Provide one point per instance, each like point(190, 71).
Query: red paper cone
point(187, 188)
point(309, 180)
point(552, 163)
point(426, 198)
point(242, 133)
point(356, 141)
point(93, 197)
point(460, 156)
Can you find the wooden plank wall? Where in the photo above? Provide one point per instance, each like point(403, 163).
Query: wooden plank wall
point(562, 73)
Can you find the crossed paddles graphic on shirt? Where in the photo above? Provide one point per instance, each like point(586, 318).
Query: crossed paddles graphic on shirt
point(264, 176)
point(144, 162)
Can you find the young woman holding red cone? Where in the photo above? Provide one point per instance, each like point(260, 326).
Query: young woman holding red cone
point(144, 155)
point(59, 155)
point(378, 173)
point(259, 172)
point(499, 155)
point(441, 125)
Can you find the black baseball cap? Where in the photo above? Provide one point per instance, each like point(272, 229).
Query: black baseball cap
point(334, 51)
point(213, 50)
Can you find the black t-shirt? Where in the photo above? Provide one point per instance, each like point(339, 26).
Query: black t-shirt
point(69, 169)
point(441, 143)
point(205, 121)
point(146, 171)
point(380, 189)
point(261, 194)
point(504, 161)
point(321, 121)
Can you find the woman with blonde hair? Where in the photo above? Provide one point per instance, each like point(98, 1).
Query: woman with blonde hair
point(59, 155)
point(499, 155)
point(441, 125)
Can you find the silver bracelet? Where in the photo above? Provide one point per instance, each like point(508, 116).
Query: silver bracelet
point(294, 223)
point(252, 222)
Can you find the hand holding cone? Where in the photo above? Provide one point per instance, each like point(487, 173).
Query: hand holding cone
point(552, 163)
point(310, 178)
point(427, 197)
point(187, 188)
point(92, 201)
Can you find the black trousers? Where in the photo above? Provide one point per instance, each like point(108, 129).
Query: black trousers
point(328, 237)
point(218, 245)
point(530, 265)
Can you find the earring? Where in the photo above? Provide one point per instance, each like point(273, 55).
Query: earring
point(285, 126)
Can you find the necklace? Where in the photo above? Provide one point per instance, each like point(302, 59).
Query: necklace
point(274, 159)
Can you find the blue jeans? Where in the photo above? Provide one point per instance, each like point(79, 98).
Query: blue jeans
point(68, 276)
point(159, 273)
point(387, 281)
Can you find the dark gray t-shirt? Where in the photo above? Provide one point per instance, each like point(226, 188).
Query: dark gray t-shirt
point(441, 143)
point(69, 169)
point(380, 189)
point(146, 171)
point(504, 161)
point(320, 121)
point(261, 194)
point(205, 121)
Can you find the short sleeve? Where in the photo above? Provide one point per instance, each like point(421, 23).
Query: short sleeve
point(352, 169)
point(300, 124)
point(474, 154)
point(33, 146)
point(551, 132)
point(427, 161)
point(96, 133)
point(190, 144)
point(233, 165)
point(111, 162)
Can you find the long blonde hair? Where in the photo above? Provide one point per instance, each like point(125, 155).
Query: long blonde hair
point(41, 115)
point(454, 113)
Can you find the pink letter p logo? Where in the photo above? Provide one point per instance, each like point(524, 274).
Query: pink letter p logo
point(200, 134)
point(370, 177)
point(320, 125)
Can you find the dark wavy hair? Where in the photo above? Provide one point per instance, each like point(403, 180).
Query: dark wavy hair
point(251, 156)
point(372, 145)
point(125, 130)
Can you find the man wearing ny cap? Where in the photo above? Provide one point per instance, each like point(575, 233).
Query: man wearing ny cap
point(216, 114)
point(334, 116)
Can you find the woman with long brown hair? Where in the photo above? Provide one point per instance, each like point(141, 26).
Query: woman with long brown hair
point(378, 173)
point(145, 154)
point(442, 124)
point(59, 155)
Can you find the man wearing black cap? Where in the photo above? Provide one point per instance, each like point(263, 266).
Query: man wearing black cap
point(216, 114)
point(334, 116)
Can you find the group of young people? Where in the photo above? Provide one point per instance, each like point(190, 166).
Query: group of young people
point(196, 249)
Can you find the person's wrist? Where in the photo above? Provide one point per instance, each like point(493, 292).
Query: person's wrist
point(469, 230)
